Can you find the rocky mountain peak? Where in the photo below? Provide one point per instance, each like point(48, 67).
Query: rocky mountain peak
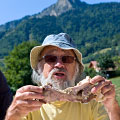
point(58, 8)
point(69, 1)
point(63, 3)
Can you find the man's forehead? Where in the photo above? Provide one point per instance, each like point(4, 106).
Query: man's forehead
point(53, 49)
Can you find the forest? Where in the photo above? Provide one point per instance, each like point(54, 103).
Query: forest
point(92, 27)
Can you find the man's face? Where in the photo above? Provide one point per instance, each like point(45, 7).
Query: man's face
point(60, 72)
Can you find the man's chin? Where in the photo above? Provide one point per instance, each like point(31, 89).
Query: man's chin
point(61, 83)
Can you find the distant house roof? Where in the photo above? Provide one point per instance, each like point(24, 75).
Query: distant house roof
point(93, 64)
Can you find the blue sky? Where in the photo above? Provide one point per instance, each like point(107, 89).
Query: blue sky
point(16, 9)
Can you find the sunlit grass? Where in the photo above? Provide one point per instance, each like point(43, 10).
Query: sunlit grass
point(116, 81)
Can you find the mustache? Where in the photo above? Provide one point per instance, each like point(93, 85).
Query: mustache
point(59, 70)
point(56, 70)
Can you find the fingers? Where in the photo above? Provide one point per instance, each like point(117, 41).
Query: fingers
point(107, 88)
point(29, 92)
point(104, 86)
point(30, 103)
point(96, 79)
point(30, 88)
point(29, 95)
point(22, 108)
point(27, 99)
point(109, 91)
point(100, 85)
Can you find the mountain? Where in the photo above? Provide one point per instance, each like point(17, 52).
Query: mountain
point(11, 25)
point(92, 27)
point(60, 7)
point(57, 9)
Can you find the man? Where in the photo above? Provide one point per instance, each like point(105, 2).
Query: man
point(59, 63)
point(5, 96)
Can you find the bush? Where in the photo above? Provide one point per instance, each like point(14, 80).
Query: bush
point(17, 66)
point(90, 72)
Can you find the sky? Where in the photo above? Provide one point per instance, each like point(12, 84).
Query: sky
point(16, 9)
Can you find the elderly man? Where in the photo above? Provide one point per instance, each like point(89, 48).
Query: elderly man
point(59, 63)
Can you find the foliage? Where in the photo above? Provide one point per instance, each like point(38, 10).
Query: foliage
point(116, 60)
point(92, 27)
point(113, 52)
point(90, 72)
point(105, 62)
point(17, 65)
point(1, 63)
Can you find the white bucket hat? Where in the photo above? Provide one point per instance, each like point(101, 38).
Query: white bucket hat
point(61, 40)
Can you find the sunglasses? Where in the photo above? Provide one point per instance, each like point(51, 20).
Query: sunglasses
point(54, 59)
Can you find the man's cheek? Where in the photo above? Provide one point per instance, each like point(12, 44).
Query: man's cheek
point(46, 74)
point(46, 70)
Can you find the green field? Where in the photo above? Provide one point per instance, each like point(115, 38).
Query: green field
point(116, 81)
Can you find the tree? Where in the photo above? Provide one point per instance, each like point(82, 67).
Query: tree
point(90, 72)
point(117, 61)
point(17, 65)
point(106, 62)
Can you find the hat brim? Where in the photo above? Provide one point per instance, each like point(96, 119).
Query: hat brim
point(35, 53)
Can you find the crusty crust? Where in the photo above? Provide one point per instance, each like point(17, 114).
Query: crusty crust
point(79, 93)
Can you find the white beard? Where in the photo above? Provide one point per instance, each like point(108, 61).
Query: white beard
point(56, 83)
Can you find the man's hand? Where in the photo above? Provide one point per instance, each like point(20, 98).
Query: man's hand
point(28, 98)
point(108, 90)
point(105, 86)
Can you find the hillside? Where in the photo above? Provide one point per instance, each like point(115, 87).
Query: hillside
point(93, 27)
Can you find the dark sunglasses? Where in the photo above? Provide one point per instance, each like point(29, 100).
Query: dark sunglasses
point(54, 59)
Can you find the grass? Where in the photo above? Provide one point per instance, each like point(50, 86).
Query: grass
point(102, 51)
point(105, 50)
point(116, 82)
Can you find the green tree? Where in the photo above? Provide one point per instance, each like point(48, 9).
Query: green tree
point(17, 65)
point(106, 62)
point(116, 60)
point(90, 72)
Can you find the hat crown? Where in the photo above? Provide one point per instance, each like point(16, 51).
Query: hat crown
point(61, 39)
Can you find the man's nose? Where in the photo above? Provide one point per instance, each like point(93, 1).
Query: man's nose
point(59, 63)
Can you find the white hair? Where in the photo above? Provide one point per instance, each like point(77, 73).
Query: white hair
point(39, 79)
